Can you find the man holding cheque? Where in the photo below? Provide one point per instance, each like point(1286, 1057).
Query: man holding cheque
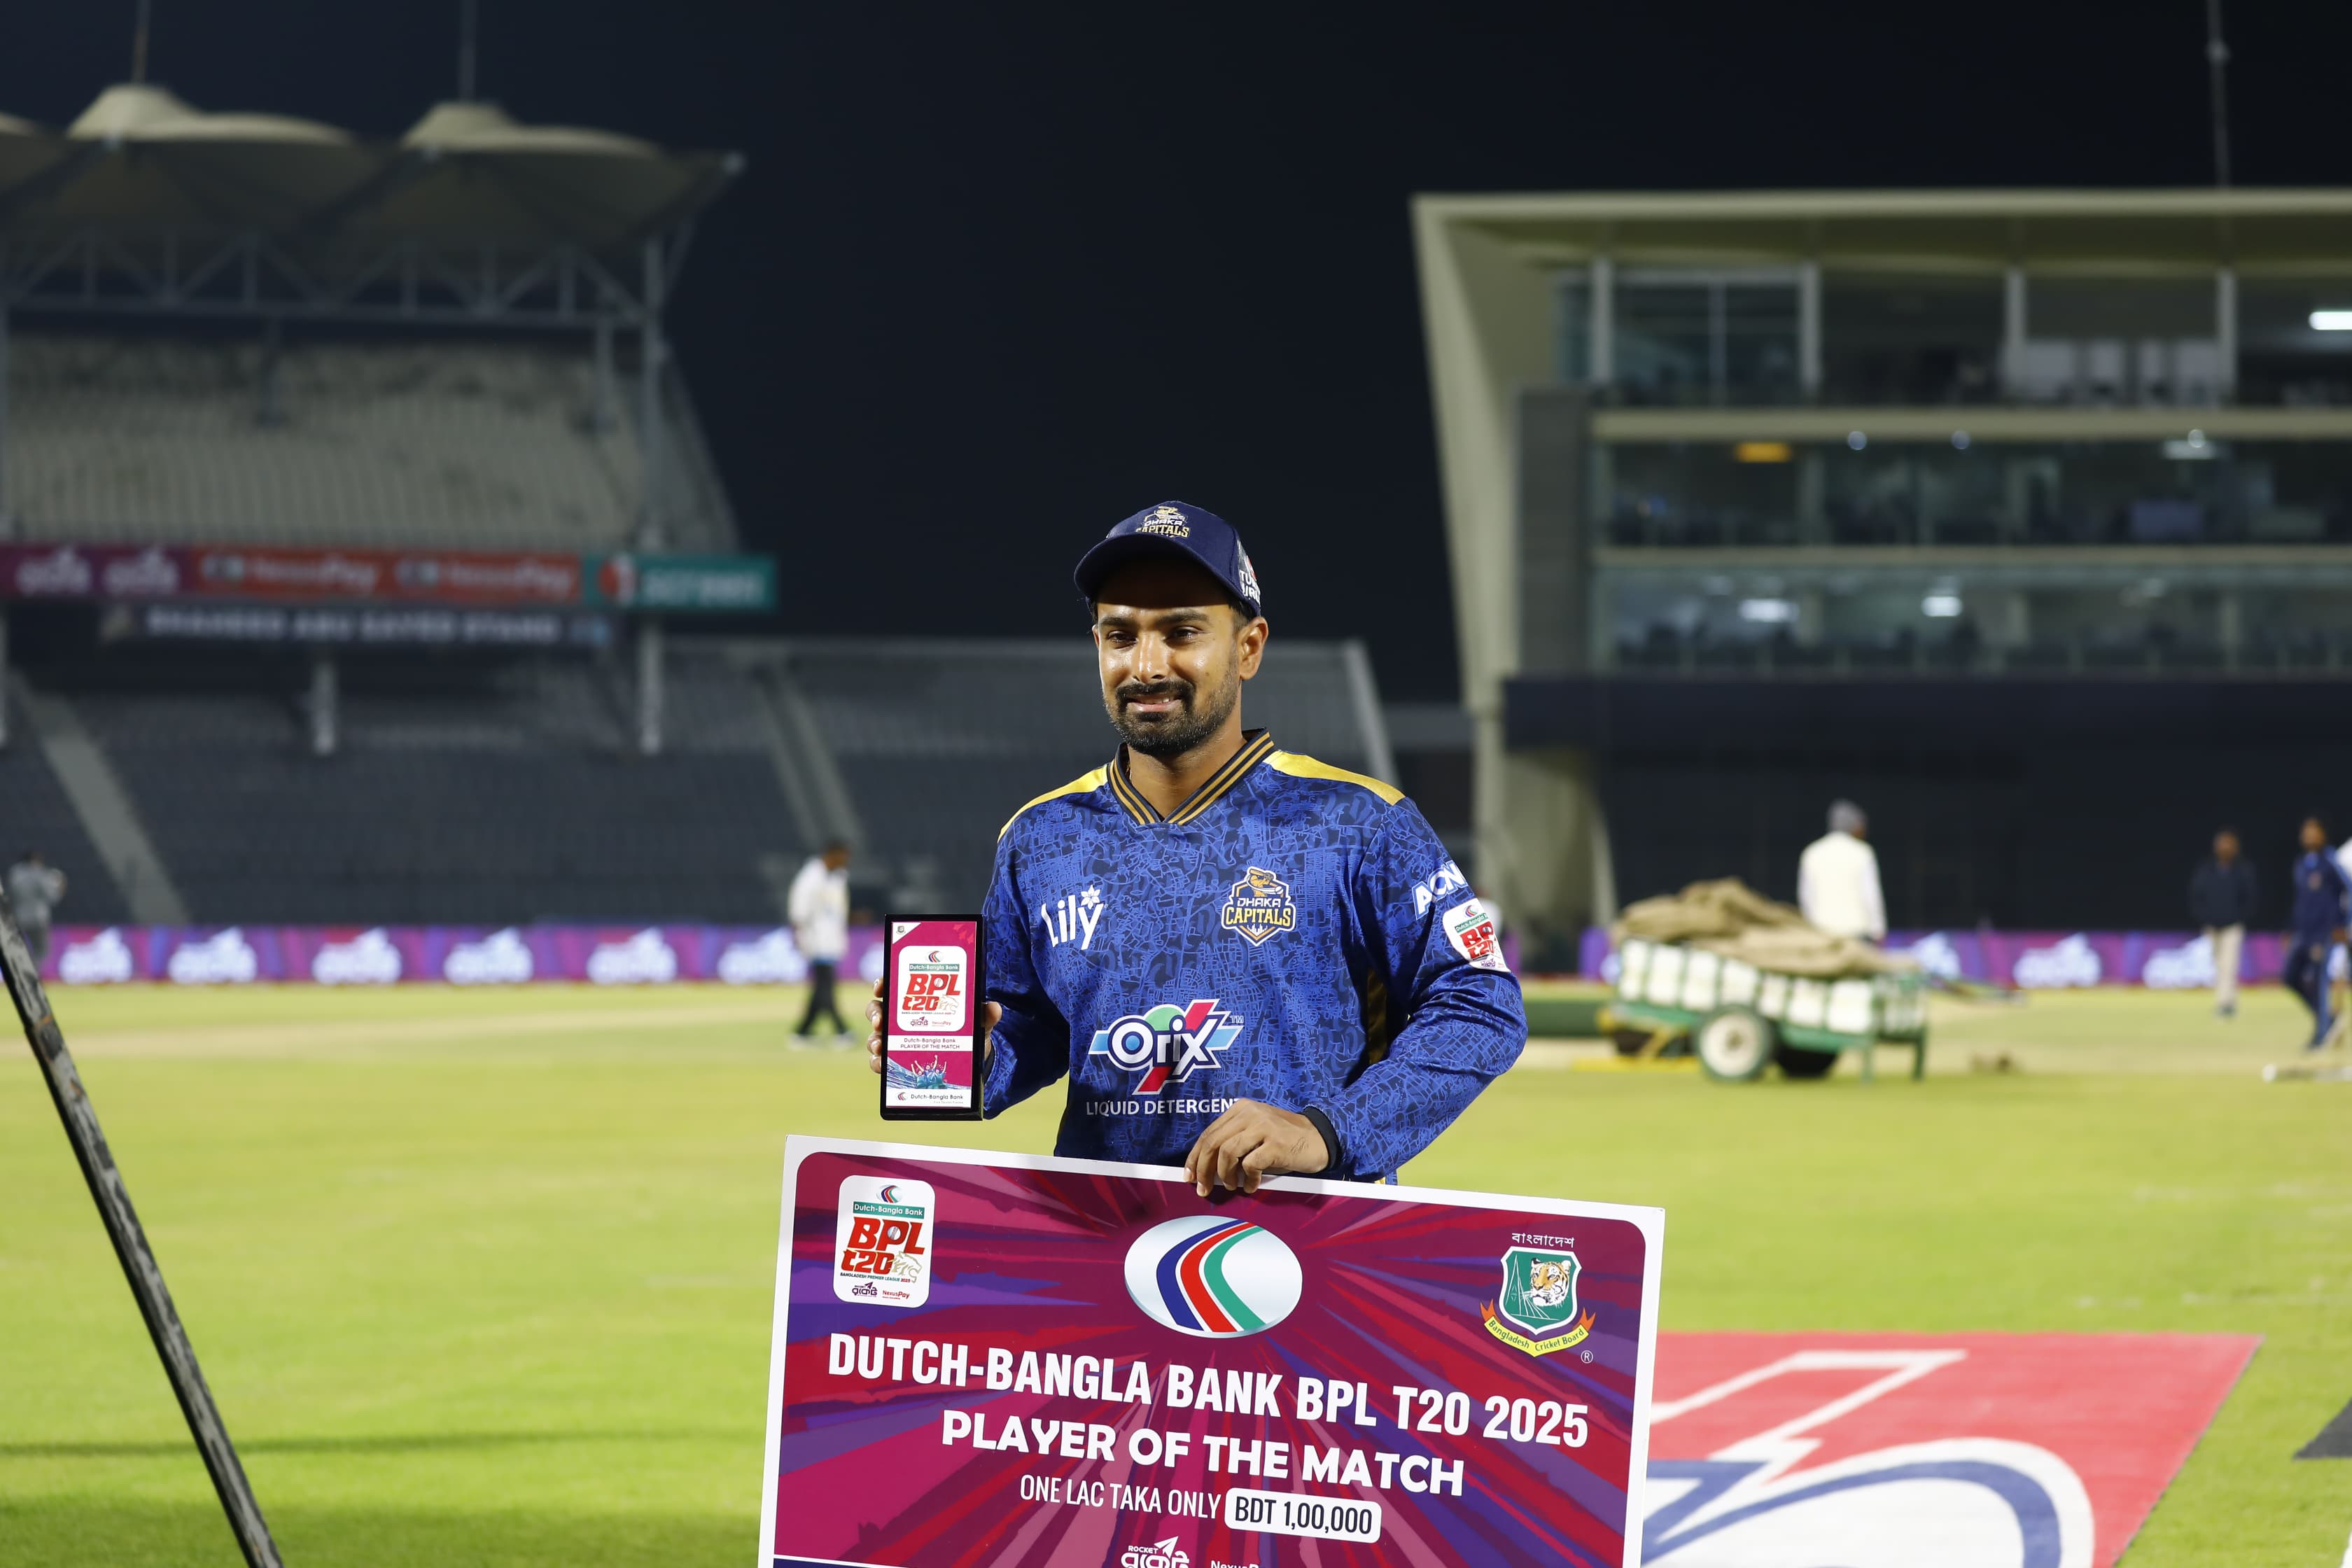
point(1245, 961)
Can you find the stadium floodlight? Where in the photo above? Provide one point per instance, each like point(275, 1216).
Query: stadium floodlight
point(1940, 606)
point(2331, 320)
point(138, 1258)
point(1856, 440)
point(1768, 612)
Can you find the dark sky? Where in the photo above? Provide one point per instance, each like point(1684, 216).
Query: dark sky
point(998, 275)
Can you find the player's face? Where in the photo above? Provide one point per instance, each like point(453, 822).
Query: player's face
point(2315, 837)
point(1172, 654)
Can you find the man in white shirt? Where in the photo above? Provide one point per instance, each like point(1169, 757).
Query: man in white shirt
point(819, 907)
point(1837, 878)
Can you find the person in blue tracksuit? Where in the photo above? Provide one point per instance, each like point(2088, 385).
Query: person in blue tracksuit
point(2322, 908)
point(1242, 960)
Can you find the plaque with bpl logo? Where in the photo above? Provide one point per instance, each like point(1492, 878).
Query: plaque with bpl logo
point(932, 1018)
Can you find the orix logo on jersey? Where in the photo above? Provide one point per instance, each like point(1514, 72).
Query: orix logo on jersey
point(1260, 906)
point(1168, 1043)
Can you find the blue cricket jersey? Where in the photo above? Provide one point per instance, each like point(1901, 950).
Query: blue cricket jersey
point(1293, 934)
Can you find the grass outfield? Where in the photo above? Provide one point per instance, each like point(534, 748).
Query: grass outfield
point(484, 1278)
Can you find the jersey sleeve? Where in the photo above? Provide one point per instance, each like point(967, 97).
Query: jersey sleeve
point(1452, 1003)
point(1030, 1046)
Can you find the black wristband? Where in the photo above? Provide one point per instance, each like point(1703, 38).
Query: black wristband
point(1330, 1141)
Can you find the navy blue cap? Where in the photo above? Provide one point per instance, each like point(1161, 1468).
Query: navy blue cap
point(1172, 528)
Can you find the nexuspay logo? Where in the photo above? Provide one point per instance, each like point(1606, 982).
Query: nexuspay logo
point(1213, 1278)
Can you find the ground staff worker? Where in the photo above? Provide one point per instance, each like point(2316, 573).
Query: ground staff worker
point(1243, 960)
point(2321, 911)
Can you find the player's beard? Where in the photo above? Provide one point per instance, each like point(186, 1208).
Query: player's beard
point(1198, 714)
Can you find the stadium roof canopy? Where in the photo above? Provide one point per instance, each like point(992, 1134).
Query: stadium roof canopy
point(2107, 233)
point(144, 203)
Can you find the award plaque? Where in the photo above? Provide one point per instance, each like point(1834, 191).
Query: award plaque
point(931, 1018)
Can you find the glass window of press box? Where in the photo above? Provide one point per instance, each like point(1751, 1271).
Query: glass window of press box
point(1689, 338)
point(1955, 624)
point(1728, 337)
point(2183, 491)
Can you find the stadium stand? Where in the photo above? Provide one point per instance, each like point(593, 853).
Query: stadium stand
point(462, 792)
point(39, 816)
point(473, 444)
point(493, 792)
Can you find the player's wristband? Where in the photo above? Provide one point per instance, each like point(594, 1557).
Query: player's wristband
point(1330, 1141)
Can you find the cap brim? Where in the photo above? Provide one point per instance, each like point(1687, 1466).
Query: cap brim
point(1099, 563)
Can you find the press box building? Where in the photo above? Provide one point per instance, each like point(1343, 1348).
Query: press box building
point(2023, 516)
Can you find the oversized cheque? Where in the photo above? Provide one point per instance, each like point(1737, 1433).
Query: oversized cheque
point(1001, 1359)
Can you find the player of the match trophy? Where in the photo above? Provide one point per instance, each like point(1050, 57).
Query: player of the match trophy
point(932, 1019)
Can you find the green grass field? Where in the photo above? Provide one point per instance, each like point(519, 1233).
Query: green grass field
point(484, 1278)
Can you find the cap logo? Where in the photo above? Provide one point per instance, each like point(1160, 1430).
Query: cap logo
point(1249, 578)
point(1166, 520)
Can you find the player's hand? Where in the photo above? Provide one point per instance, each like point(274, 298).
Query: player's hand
point(994, 1013)
point(1250, 1143)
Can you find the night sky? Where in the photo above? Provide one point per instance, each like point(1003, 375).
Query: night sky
point(996, 276)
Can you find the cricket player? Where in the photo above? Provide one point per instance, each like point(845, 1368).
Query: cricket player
point(1243, 960)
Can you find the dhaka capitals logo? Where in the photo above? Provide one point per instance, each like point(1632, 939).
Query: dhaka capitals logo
point(1259, 906)
point(1168, 1042)
point(1536, 1309)
point(1213, 1278)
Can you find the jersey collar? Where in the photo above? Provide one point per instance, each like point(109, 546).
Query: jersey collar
point(1256, 745)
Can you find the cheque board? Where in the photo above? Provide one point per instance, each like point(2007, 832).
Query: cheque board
point(1008, 1359)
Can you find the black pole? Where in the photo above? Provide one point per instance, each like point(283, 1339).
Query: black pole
point(138, 1259)
point(2216, 58)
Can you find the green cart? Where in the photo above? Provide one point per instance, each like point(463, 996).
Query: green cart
point(1736, 1018)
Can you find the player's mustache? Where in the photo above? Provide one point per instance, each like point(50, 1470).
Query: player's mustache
point(1146, 690)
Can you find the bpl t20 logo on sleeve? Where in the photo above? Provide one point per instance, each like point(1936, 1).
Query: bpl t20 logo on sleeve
point(882, 1242)
point(932, 993)
point(1167, 1042)
point(1536, 1309)
point(1213, 1278)
point(1471, 931)
point(1260, 906)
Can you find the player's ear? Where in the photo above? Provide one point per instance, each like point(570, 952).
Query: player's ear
point(1250, 645)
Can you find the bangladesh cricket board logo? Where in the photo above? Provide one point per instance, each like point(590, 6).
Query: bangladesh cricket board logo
point(1168, 1042)
point(1536, 1310)
point(1260, 906)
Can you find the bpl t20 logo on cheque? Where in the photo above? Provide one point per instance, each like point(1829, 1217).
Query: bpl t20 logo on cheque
point(1213, 1278)
point(1158, 1555)
point(1535, 1311)
point(1168, 1042)
point(932, 994)
point(882, 1242)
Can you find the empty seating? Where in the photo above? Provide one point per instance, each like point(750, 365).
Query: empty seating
point(425, 445)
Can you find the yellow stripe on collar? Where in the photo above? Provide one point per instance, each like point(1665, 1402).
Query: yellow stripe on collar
point(1078, 785)
point(1300, 767)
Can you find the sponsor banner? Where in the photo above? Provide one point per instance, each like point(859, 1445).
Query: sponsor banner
point(1926, 1450)
point(478, 579)
point(709, 583)
point(2044, 960)
point(994, 1358)
point(453, 955)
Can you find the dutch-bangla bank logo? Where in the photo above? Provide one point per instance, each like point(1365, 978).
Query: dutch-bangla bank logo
point(1213, 1278)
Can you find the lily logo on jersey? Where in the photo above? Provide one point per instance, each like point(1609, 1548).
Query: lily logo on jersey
point(1073, 917)
point(1446, 878)
point(1168, 1043)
